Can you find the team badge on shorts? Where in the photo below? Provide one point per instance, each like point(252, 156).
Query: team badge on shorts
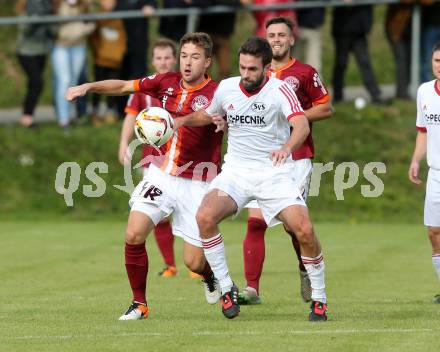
point(293, 82)
point(199, 102)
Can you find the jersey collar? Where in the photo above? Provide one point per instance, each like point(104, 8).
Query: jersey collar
point(249, 94)
point(199, 86)
point(290, 63)
point(437, 86)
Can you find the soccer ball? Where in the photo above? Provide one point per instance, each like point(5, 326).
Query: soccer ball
point(153, 126)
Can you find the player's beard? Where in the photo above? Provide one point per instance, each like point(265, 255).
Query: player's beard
point(252, 86)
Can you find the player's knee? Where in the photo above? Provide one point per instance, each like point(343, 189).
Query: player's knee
point(205, 220)
point(133, 236)
point(434, 233)
point(304, 232)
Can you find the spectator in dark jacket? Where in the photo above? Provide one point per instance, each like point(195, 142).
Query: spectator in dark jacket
point(350, 27)
point(430, 35)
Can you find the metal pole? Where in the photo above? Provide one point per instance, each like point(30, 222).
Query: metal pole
point(191, 20)
point(415, 50)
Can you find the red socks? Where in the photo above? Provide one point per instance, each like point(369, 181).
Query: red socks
point(136, 264)
point(165, 242)
point(254, 251)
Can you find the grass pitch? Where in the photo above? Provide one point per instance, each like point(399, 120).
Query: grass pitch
point(63, 286)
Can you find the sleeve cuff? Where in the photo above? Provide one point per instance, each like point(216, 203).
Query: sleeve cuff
point(131, 111)
point(421, 129)
point(291, 116)
point(322, 100)
point(137, 85)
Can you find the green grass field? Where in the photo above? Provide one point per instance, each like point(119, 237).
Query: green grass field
point(63, 286)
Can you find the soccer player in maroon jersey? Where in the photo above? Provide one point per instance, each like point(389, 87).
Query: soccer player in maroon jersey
point(177, 181)
point(315, 100)
point(164, 60)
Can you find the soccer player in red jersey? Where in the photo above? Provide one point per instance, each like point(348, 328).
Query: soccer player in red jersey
point(164, 60)
point(315, 100)
point(177, 181)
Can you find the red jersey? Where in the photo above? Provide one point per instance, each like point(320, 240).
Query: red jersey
point(310, 91)
point(192, 152)
point(136, 103)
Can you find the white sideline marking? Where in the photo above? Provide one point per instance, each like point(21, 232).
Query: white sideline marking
point(220, 333)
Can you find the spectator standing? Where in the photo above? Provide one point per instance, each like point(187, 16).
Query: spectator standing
point(134, 63)
point(174, 27)
point(308, 44)
point(69, 54)
point(398, 31)
point(220, 27)
point(350, 27)
point(33, 44)
point(109, 45)
point(430, 35)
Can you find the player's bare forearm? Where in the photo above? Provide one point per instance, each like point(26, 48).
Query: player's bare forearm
point(112, 87)
point(127, 129)
point(420, 148)
point(299, 133)
point(319, 112)
point(196, 119)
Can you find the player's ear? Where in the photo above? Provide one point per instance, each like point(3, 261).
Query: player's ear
point(207, 62)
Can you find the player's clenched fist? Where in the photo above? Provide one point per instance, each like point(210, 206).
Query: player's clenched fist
point(76, 91)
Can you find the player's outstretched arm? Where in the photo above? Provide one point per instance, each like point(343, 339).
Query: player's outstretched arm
point(299, 134)
point(196, 119)
point(107, 87)
point(419, 153)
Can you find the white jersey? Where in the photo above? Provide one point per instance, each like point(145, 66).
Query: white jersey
point(258, 122)
point(428, 119)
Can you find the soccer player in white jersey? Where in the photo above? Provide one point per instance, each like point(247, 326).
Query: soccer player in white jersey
point(428, 142)
point(258, 165)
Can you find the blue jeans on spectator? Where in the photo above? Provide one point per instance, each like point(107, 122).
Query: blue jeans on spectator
point(67, 65)
point(430, 36)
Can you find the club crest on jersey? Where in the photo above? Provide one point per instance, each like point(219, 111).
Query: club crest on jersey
point(152, 76)
point(199, 102)
point(293, 82)
point(258, 107)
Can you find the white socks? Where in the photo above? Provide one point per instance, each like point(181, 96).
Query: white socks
point(436, 263)
point(215, 254)
point(315, 269)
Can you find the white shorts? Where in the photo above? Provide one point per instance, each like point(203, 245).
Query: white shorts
point(273, 188)
point(432, 199)
point(302, 173)
point(159, 195)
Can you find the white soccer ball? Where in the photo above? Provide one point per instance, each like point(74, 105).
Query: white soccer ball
point(360, 103)
point(153, 126)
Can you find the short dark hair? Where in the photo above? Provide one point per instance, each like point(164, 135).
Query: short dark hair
point(257, 47)
point(436, 47)
point(199, 39)
point(284, 20)
point(165, 43)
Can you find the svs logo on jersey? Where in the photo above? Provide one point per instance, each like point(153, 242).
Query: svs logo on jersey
point(258, 107)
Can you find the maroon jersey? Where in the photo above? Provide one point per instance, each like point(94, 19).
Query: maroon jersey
point(136, 103)
point(310, 91)
point(192, 152)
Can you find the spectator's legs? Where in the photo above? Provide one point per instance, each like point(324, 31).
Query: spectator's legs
point(81, 102)
point(360, 50)
point(62, 73)
point(402, 56)
point(33, 66)
point(342, 49)
point(222, 47)
point(431, 35)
